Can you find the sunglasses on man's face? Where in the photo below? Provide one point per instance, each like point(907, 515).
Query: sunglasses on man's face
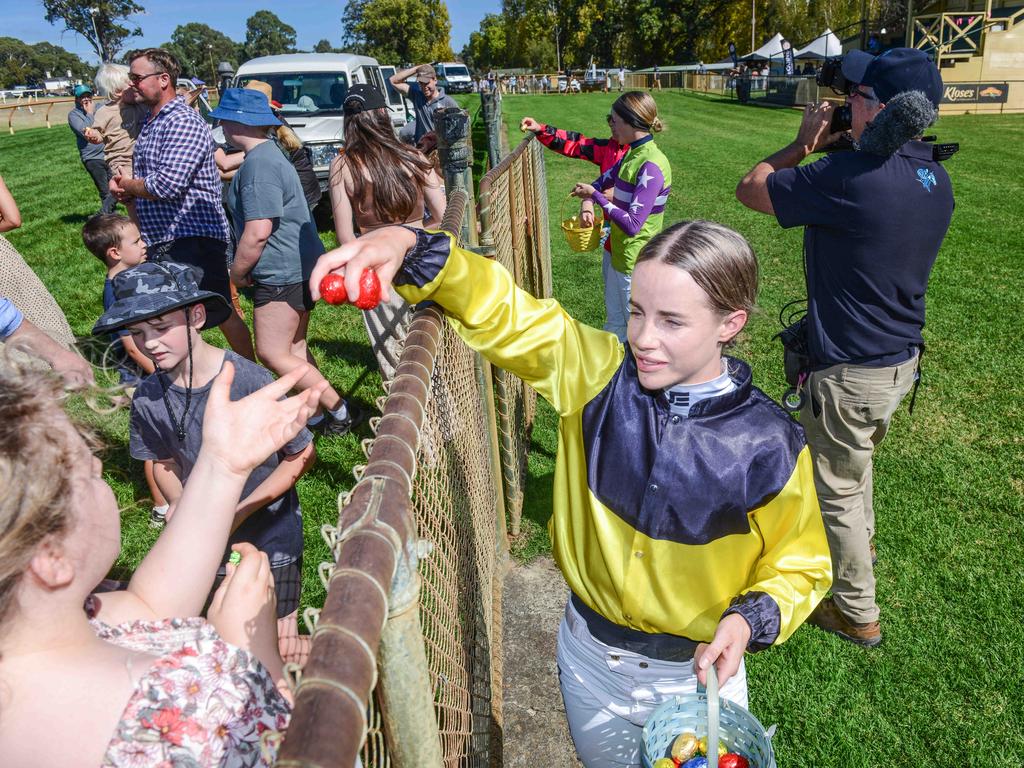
point(135, 79)
point(858, 91)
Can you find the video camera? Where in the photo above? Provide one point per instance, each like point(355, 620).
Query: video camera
point(831, 76)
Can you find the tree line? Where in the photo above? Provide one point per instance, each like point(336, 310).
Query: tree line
point(105, 25)
point(549, 34)
point(535, 34)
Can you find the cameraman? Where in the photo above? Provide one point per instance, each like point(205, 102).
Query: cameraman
point(874, 220)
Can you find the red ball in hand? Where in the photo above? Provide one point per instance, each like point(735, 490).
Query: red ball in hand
point(369, 290)
point(332, 289)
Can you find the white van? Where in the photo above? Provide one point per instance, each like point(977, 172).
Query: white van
point(311, 88)
point(453, 76)
point(399, 107)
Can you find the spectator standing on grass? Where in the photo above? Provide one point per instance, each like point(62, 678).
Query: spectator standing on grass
point(80, 118)
point(277, 247)
point(116, 124)
point(622, 78)
point(641, 182)
point(376, 182)
point(657, 78)
point(874, 220)
point(164, 309)
point(176, 188)
point(115, 240)
point(426, 97)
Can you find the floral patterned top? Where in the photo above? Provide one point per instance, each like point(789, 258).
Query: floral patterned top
point(203, 702)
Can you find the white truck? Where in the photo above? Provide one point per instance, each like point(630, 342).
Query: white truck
point(453, 76)
point(311, 88)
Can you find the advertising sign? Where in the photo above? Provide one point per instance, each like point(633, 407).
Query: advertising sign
point(975, 93)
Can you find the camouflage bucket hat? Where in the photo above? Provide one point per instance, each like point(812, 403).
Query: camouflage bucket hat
point(155, 288)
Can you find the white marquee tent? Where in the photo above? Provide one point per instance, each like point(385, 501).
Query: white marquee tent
point(823, 46)
point(770, 50)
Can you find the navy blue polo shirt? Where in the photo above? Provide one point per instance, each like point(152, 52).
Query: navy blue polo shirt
point(873, 229)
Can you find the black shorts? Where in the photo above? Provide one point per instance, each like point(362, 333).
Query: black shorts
point(295, 295)
point(287, 587)
point(206, 255)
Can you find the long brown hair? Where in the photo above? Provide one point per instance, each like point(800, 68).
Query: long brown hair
point(375, 157)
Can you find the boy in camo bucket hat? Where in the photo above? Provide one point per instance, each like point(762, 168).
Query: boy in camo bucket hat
point(153, 289)
point(162, 306)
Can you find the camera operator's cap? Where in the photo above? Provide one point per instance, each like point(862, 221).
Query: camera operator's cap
point(855, 64)
point(425, 73)
point(362, 97)
point(248, 107)
point(903, 69)
point(152, 289)
point(81, 90)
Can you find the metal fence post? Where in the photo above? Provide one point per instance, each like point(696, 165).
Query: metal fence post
point(452, 126)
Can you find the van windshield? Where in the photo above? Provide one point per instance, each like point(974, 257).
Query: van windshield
point(394, 97)
point(305, 93)
point(450, 71)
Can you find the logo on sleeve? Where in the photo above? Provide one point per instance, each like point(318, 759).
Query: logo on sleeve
point(927, 178)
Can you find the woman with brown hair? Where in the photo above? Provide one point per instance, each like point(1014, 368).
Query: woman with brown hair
point(133, 675)
point(378, 181)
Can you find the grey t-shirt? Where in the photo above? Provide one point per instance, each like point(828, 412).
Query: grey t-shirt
point(276, 528)
point(267, 186)
point(425, 109)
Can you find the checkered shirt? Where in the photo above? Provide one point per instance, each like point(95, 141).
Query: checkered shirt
point(174, 156)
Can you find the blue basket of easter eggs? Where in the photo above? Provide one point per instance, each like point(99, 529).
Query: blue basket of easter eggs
point(697, 726)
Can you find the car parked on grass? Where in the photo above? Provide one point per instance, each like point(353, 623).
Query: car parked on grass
point(595, 80)
point(311, 88)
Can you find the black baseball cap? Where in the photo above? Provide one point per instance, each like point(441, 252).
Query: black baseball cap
point(362, 97)
point(893, 72)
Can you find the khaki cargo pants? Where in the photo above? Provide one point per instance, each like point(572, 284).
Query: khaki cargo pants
point(846, 417)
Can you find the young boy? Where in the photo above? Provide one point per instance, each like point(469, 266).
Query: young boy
point(163, 308)
point(116, 241)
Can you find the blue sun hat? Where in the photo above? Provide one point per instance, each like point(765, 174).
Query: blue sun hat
point(245, 106)
point(152, 289)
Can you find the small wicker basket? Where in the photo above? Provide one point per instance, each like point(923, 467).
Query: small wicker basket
point(581, 239)
point(705, 714)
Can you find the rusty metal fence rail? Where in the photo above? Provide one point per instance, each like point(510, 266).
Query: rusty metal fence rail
point(415, 589)
point(513, 208)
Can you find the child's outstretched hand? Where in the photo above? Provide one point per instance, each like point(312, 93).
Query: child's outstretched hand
point(244, 608)
point(382, 250)
point(725, 650)
point(240, 435)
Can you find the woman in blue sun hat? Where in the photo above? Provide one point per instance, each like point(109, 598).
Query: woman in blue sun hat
point(277, 248)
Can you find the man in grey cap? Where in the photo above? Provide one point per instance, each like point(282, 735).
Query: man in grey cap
point(874, 220)
point(426, 97)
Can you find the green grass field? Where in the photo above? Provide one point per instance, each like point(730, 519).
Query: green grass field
point(944, 688)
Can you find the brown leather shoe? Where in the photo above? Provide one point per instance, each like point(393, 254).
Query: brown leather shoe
point(829, 618)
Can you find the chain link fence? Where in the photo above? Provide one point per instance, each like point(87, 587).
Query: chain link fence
point(415, 592)
point(514, 230)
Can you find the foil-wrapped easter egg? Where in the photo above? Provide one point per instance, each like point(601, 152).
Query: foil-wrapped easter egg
point(696, 762)
point(702, 746)
point(684, 747)
point(733, 760)
point(664, 762)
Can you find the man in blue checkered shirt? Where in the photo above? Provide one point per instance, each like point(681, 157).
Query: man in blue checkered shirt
point(177, 189)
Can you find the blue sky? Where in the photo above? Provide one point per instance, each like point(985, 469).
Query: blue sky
point(313, 20)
